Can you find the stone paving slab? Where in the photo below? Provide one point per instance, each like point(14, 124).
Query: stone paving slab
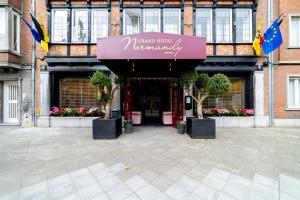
point(150, 163)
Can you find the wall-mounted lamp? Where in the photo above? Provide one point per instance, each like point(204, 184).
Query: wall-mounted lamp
point(115, 24)
point(188, 24)
point(133, 66)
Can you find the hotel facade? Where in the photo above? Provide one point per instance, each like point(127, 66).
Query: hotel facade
point(151, 90)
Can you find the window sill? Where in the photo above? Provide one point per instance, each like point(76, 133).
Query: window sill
point(293, 47)
point(11, 52)
point(292, 109)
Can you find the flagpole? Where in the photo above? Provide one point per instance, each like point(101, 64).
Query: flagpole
point(33, 60)
point(271, 70)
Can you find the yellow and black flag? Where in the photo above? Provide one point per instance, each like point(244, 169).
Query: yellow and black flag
point(42, 33)
point(258, 40)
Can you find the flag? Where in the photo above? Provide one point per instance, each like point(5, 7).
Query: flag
point(39, 33)
point(258, 40)
point(34, 33)
point(42, 32)
point(272, 37)
point(46, 37)
point(38, 27)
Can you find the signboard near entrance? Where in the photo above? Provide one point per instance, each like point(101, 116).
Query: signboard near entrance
point(151, 46)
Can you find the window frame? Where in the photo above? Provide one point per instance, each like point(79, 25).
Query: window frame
point(124, 21)
point(6, 44)
point(211, 22)
point(18, 32)
point(244, 91)
point(290, 30)
point(92, 24)
point(159, 18)
point(292, 107)
point(87, 25)
point(52, 26)
point(179, 20)
point(60, 90)
point(251, 25)
point(230, 25)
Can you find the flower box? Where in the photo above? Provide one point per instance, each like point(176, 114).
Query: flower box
point(66, 122)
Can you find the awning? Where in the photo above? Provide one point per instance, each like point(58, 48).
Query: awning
point(152, 53)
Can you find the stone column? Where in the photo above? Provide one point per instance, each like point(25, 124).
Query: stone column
point(45, 93)
point(259, 93)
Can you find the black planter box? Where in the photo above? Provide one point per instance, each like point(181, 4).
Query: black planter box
point(201, 128)
point(180, 129)
point(107, 128)
point(128, 127)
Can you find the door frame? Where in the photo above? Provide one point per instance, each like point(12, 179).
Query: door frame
point(5, 101)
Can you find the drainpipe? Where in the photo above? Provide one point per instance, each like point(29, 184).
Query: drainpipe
point(271, 70)
point(33, 60)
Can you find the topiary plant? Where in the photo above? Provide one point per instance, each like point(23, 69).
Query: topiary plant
point(205, 86)
point(106, 88)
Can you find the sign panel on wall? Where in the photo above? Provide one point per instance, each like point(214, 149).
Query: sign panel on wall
point(151, 45)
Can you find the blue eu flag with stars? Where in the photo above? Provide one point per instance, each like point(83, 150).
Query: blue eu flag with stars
point(272, 37)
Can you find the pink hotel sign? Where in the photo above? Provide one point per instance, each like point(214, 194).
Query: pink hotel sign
point(151, 46)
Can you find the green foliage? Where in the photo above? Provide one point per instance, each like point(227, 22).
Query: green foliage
point(104, 97)
point(202, 81)
point(218, 84)
point(188, 78)
point(118, 79)
point(215, 85)
point(100, 80)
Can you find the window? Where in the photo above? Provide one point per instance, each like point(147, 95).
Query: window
point(79, 26)
point(172, 21)
point(295, 31)
point(10, 35)
point(204, 23)
point(3, 29)
point(294, 92)
point(59, 26)
point(15, 39)
point(99, 24)
point(243, 25)
point(151, 20)
point(234, 98)
point(132, 18)
point(223, 25)
point(76, 93)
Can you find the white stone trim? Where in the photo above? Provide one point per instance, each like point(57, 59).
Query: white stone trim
point(259, 93)
point(45, 93)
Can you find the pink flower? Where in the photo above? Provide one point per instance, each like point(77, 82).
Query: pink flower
point(55, 109)
point(249, 112)
point(82, 110)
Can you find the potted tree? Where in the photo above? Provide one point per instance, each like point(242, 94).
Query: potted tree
point(180, 127)
point(107, 127)
point(218, 84)
point(128, 126)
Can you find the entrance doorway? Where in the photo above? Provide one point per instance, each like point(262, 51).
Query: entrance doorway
point(153, 100)
point(10, 102)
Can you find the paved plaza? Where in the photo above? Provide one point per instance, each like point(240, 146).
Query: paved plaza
point(152, 163)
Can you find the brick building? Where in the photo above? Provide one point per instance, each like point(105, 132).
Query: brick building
point(228, 26)
point(15, 63)
point(287, 65)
